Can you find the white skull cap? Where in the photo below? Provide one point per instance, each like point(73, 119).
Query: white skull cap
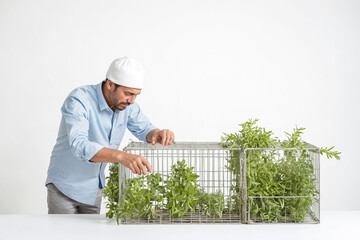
point(126, 71)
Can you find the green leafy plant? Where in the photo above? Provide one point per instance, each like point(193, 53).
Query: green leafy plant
point(181, 188)
point(111, 191)
point(145, 196)
point(142, 196)
point(276, 187)
point(212, 204)
point(142, 199)
point(248, 136)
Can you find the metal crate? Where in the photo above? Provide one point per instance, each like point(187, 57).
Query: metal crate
point(209, 160)
point(298, 171)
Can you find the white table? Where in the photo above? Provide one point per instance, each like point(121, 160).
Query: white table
point(337, 225)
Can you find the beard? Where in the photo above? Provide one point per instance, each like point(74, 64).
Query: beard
point(121, 106)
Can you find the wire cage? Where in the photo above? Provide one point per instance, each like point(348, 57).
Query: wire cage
point(280, 185)
point(230, 172)
point(208, 160)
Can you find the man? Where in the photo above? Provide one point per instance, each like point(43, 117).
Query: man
point(94, 120)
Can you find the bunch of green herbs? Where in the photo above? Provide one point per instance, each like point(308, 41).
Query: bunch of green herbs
point(145, 196)
point(276, 188)
point(181, 188)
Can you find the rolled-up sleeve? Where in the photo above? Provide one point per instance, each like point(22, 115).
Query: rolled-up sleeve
point(138, 124)
point(76, 121)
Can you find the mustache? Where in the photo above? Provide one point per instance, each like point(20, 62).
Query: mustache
point(121, 109)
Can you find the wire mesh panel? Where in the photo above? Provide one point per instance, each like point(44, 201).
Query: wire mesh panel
point(257, 185)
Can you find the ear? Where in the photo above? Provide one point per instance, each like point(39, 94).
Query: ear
point(109, 84)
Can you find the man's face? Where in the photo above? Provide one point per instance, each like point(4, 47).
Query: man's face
point(120, 97)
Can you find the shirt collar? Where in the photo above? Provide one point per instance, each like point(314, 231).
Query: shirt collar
point(101, 99)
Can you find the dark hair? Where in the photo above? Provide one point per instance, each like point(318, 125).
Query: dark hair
point(116, 85)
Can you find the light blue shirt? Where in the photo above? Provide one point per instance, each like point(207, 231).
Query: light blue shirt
point(87, 125)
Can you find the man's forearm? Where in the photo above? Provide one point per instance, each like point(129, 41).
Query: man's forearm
point(136, 163)
point(112, 155)
point(107, 155)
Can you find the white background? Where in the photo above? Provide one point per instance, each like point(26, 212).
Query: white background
point(210, 65)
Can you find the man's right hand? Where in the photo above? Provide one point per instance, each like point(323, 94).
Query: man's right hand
point(136, 163)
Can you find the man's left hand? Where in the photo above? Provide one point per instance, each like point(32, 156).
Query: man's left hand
point(164, 137)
